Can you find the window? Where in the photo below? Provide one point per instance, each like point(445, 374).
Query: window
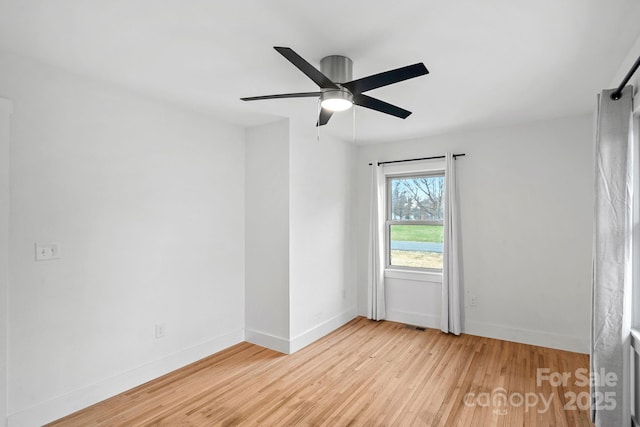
point(414, 222)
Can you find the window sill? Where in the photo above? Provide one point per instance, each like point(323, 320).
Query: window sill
point(415, 275)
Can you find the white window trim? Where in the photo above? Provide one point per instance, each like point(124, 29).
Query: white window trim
point(413, 274)
point(410, 168)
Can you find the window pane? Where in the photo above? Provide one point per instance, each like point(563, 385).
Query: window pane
point(416, 246)
point(417, 198)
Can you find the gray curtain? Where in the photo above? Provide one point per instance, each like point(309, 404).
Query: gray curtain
point(611, 298)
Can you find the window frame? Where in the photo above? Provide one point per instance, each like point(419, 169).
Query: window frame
point(389, 222)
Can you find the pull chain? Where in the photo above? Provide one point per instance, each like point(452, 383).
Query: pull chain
point(353, 131)
point(318, 122)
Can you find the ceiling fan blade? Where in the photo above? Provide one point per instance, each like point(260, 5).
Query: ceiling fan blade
point(324, 117)
point(383, 107)
point(386, 78)
point(284, 95)
point(308, 69)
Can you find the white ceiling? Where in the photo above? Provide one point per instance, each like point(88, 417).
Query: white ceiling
point(491, 62)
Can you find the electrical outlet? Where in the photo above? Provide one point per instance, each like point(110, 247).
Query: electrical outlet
point(47, 251)
point(161, 330)
point(473, 301)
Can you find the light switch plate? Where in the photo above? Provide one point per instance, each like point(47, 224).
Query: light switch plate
point(47, 251)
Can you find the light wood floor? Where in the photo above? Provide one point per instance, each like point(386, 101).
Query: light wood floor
point(365, 373)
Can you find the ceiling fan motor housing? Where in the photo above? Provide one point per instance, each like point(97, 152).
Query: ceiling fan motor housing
point(339, 69)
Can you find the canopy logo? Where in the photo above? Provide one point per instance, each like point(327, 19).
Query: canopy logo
point(500, 401)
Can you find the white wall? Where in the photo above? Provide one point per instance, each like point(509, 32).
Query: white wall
point(267, 236)
point(147, 202)
point(6, 107)
point(323, 291)
point(625, 66)
point(526, 217)
point(300, 275)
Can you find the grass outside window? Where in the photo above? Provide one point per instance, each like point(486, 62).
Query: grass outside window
point(418, 246)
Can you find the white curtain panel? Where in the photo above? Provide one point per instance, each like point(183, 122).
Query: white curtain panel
point(375, 302)
point(611, 299)
point(451, 318)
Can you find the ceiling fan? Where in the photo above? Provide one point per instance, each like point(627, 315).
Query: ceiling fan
point(338, 92)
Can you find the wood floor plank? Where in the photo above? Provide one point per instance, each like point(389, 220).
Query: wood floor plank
point(364, 374)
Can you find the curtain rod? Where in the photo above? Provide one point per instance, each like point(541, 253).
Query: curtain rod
point(618, 93)
point(414, 160)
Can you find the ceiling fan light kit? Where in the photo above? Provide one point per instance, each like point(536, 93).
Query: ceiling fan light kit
point(336, 100)
point(338, 90)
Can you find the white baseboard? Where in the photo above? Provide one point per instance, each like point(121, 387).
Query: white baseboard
point(491, 330)
point(286, 346)
point(416, 319)
point(266, 340)
point(524, 336)
point(69, 403)
point(319, 331)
